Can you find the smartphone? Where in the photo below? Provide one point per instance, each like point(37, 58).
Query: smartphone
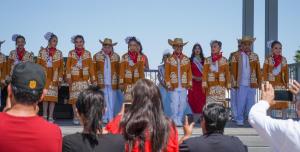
point(127, 105)
point(190, 118)
point(283, 95)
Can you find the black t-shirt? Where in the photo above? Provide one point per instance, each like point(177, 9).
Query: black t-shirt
point(213, 143)
point(107, 142)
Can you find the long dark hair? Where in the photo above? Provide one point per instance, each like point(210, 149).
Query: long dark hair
point(145, 118)
point(90, 104)
point(193, 52)
point(141, 47)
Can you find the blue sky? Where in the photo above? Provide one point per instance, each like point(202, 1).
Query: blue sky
point(153, 22)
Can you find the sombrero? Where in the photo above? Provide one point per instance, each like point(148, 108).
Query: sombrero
point(177, 41)
point(107, 41)
point(246, 39)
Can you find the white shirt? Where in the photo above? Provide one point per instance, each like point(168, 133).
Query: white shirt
point(281, 135)
point(245, 76)
point(107, 71)
point(214, 67)
point(276, 70)
point(179, 74)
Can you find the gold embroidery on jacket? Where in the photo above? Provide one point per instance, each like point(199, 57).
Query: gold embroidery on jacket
point(136, 73)
point(173, 77)
point(222, 77)
point(184, 77)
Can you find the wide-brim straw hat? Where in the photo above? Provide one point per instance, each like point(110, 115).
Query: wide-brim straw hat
point(246, 39)
point(176, 42)
point(107, 41)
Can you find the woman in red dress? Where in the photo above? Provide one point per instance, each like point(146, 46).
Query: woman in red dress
point(196, 95)
point(144, 125)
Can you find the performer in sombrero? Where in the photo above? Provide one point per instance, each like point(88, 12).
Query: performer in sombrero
point(131, 66)
point(216, 75)
point(106, 63)
point(51, 59)
point(79, 71)
point(276, 71)
point(178, 78)
point(20, 54)
point(246, 77)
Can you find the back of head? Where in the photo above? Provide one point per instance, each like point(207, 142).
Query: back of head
point(215, 117)
point(145, 118)
point(91, 106)
point(27, 83)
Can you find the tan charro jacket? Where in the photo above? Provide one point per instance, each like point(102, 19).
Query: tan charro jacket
point(12, 58)
point(278, 81)
point(236, 68)
point(130, 74)
point(212, 78)
point(171, 72)
point(84, 73)
point(99, 62)
point(54, 74)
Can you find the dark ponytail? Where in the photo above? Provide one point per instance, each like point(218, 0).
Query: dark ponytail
point(90, 104)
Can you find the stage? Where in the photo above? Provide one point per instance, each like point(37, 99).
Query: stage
point(247, 134)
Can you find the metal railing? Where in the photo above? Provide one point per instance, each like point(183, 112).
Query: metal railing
point(291, 112)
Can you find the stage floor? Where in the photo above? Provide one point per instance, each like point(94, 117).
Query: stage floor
point(247, 134)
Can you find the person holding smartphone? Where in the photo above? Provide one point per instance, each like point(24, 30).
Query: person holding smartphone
point(281, 135)
point(276, 71)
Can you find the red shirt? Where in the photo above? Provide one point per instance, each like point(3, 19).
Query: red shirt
point(28, 134)
point(113, 127)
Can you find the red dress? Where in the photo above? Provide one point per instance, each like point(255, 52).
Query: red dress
point(113, 127)
point(196, 95)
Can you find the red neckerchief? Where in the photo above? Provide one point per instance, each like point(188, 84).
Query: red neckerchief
point(52, 51)
point(79, 51)
point(277, 60)
point(133, 56)
point(216, 56)
point(178, 55)
point(20, 53)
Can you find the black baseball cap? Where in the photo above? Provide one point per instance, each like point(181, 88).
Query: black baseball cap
point(28, 76)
